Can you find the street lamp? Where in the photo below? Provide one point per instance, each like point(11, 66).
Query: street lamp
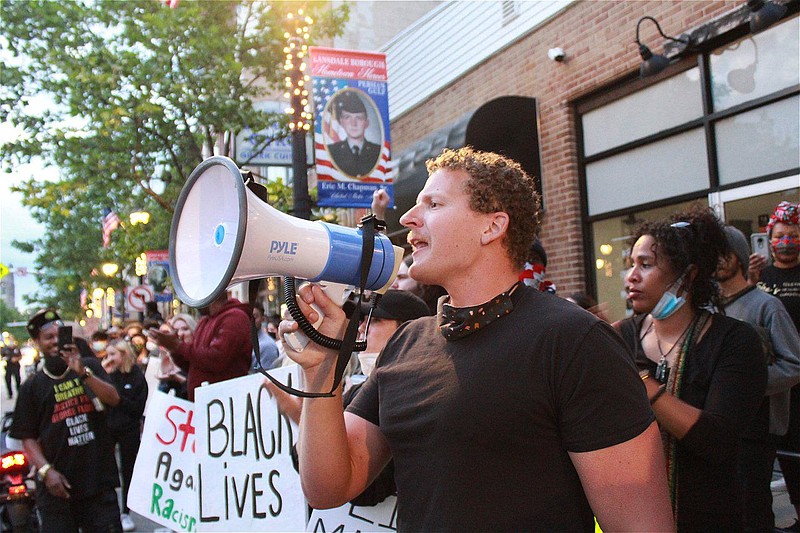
point(139, 217)
point(140, 269)
point(109, 269)
point(99, 302)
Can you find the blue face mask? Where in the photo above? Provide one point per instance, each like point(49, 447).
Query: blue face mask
point(669, 302)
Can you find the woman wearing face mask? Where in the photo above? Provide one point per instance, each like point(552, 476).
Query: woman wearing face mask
point(705, 373)
point(124, 420)
point(138, 342)
point(782, 279)
point(99, 343)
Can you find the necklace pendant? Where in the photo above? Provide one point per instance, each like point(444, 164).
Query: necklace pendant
point(662, 372)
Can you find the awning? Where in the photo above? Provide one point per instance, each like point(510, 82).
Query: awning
point(507, 125)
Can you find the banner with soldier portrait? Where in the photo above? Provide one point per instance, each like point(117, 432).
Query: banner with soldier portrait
point(352, 144)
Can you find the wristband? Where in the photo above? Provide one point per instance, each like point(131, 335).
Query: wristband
point(42, 472)
point(661, 390)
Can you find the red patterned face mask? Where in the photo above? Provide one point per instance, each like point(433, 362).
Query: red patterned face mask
point(786, 245)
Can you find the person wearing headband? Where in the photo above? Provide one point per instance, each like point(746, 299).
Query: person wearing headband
point(510, 409)
point(705, 373)
point(60, 418)
point(782, 279)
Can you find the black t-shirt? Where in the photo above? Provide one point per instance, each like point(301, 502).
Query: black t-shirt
point(73, 434)
point(132, 389)
point(785, 284)
point(725, 375)
point(480, 427)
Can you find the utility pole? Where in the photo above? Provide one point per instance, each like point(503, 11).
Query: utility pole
point(300, 121)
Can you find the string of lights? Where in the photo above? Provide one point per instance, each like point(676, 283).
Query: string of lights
point(296, 79)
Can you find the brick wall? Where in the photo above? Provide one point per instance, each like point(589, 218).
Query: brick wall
point(598, 37)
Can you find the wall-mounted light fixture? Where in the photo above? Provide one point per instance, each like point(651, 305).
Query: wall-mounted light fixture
point(764, 14)
point(743, 80)
point(652, 64)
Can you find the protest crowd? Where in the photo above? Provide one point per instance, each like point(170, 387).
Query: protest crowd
point(485, 400)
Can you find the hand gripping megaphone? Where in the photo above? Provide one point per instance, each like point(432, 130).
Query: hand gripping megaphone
point(223, 234)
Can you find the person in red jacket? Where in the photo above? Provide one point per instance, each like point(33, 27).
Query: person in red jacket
point(220, 349)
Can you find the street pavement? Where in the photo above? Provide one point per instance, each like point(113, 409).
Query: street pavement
point(781, 506)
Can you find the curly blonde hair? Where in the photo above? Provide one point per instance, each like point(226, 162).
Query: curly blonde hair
point(497, 183)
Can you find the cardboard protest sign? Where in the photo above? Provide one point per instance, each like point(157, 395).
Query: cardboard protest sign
point(246, 480)
point(347, 518)
point(164, 484)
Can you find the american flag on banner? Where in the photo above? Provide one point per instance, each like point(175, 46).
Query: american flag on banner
point(111, 221)
point(333, 132)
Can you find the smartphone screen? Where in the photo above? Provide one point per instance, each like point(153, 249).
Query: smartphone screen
point(760, 245)
point(64, 336)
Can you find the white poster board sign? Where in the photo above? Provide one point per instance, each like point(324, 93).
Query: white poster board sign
point(165, 477)
point(246, 479)
point(350, 518)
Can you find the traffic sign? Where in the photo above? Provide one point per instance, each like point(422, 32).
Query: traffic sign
point(139, 296)
point(3, 270)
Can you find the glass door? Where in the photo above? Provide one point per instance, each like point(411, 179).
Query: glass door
point(749, 208)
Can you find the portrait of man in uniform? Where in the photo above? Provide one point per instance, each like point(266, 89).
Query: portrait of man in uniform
point(355, 156)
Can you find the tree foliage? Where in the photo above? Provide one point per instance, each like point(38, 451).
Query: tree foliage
point(134, 91)
point(10, 315)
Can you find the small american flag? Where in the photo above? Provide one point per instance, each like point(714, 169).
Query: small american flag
point(111, 221)
point(172, 4)
point(324, 88)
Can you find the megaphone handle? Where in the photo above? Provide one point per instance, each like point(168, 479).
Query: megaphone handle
point(298, 340)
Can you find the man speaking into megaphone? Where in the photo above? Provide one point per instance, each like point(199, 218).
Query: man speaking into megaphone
point(511, 409)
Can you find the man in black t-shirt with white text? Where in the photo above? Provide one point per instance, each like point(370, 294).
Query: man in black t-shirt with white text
point(59, 418)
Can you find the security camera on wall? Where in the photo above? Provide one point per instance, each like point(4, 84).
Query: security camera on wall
point(556, 54)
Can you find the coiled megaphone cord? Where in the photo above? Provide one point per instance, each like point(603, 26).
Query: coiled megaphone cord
point(306, 327)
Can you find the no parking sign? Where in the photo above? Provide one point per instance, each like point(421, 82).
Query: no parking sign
point(139, 296)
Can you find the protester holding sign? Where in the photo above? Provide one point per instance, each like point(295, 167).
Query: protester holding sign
point(511, 409)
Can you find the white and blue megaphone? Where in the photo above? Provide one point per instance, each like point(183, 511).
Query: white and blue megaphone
point(223, 234)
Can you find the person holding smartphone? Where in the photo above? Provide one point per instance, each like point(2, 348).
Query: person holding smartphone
point(60, 418)
point(782, 279)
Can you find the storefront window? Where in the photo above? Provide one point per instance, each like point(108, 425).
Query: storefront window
point(756, 65)
point(759, 142)
point(671, 167)
point(612, 250)
point(657, 108)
